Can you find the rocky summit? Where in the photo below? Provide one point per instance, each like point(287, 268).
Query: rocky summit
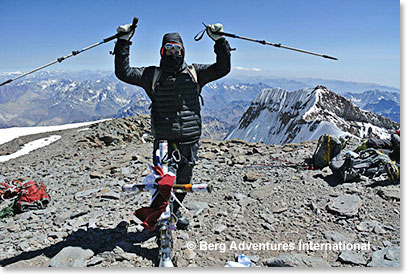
point(279, 116)
point(266, 204)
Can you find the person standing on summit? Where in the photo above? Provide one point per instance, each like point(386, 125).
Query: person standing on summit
point(174, 89)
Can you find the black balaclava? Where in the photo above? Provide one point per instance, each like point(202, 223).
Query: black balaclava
point(172, 63)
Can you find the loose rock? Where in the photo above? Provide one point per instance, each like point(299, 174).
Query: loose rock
point(296, 260)
point(97, 175)
point(346, 205)
point(71, 257)
point(386, 257)
point(337, 236)
point(351, 257)
point(251, 176)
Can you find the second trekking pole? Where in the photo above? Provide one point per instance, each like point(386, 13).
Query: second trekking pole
point(263, 42)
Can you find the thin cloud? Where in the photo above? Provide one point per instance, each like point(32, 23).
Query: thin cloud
point(247, 69)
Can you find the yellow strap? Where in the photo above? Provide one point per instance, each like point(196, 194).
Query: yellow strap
point(327, 156)
point(395, 166)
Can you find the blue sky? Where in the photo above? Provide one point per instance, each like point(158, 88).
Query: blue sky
point(363, 34)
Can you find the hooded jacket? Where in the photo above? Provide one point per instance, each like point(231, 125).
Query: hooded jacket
point(172, 63)
point(175, 109)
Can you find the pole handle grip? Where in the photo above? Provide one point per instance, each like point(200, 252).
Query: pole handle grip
point(134, 24)
point(329, 57)
point(117, 35)
point(6, 82)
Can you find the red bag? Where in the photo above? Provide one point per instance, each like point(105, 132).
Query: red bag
point(33, 195)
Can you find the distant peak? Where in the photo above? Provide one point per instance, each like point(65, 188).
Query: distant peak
point(321, 87)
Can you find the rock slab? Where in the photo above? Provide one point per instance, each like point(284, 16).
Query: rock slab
point(296, 260)
point(386, 257)
point(71, 257)
point(345, 205)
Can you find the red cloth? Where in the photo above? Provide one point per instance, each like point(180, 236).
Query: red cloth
point(149, 215)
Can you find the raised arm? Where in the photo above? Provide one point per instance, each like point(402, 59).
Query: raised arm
point(139, 76)
point(212, 72)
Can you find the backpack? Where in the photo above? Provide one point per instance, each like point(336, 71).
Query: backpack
point(192, 72)
point(370, 163)
point(32, 195)
point(328, 147)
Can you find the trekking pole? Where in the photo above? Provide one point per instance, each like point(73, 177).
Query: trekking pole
point(263, 42)
point(76, 52)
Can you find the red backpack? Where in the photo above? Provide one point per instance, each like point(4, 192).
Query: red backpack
point(32, 195)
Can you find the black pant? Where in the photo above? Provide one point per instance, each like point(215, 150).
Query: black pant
point(183, 169)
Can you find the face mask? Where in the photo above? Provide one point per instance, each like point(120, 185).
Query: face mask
point(172, 62)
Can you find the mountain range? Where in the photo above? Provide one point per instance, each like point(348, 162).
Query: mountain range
point(295, 83)
point(51, 98)
point(380, 102)
point(60, 97)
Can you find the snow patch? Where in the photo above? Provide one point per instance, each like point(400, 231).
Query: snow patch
point(8, 134)
point(31, 146)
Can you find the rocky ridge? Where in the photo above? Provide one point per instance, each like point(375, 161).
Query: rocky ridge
point(278, 116)
point(257, 199)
